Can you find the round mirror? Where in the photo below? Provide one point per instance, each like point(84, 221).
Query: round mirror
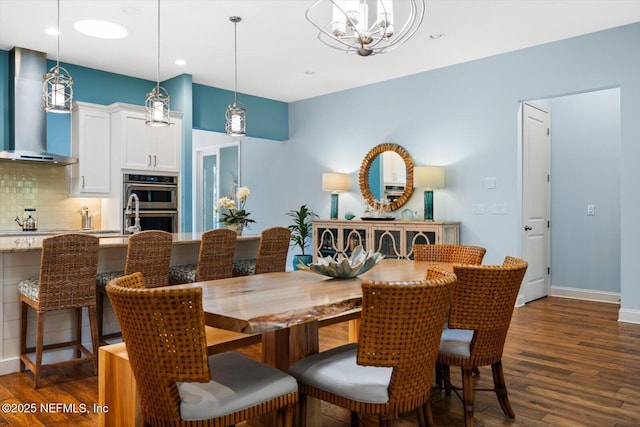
point(386, 173)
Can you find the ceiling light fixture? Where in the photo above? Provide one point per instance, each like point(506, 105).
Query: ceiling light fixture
point(366, 26)
point(236, 114)
point(57, 86)
point(100, 29)
point(157, 102)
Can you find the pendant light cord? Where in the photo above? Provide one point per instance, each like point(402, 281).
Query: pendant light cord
point(235, 56)
point(58, 39)
point(158, 68)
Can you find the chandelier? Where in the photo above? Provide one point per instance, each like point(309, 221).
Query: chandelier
point(236, 114)
point(57, 85)
point(157, 101)
point(366, 26)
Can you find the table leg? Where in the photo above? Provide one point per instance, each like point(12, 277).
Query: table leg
point(282, 347)
point(354, 330)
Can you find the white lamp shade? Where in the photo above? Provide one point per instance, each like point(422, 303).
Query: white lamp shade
point(428, 176)
point(335, 182)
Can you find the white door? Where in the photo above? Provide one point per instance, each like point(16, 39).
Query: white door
point(535, 201)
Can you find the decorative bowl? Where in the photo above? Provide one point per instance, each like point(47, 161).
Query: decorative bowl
point(358, 263)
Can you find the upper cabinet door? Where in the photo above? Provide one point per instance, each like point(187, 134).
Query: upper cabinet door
point(150, 148)
point(91, 144)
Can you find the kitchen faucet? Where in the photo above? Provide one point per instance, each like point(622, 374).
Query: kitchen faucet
point(136, 226)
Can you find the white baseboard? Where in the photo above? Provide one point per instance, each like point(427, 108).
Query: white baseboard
point(629, 316)
point(9, 366)
point(585, 294)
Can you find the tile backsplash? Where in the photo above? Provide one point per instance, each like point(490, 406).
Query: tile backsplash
point(43, 187)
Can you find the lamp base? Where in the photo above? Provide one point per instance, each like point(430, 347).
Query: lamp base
point(334, 206)
point(428, 205)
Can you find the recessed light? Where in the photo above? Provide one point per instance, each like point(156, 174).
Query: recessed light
point(52, 31)
point(437, 36)
point(100, 29)
point(309, 72)
point(180, 62)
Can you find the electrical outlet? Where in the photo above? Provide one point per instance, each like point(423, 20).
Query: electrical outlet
point(499, 208)
point(477, 209)
point(591, 209)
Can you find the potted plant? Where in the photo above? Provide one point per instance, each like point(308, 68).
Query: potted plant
point(301, 230)
point(236, 217)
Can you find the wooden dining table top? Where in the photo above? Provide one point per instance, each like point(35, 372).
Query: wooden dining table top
point(264, 302)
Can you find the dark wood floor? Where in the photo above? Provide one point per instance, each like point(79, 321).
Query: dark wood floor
point(567, 363)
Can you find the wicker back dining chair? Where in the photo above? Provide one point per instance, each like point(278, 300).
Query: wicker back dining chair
point(459, 254)
point(215, 259)
point(148, 252)
point(482, 304)
point(390, 369)
point(177, 383)
point(66, 281)
point(273, 250)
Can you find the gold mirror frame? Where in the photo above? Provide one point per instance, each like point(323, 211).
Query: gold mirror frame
point(363, 179)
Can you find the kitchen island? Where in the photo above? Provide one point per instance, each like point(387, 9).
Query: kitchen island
point(20, 258)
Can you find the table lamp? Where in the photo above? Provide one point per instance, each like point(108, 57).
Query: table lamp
point(428, 177)
point(335, 182)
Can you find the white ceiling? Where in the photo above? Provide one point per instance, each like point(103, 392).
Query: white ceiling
point(279, 55)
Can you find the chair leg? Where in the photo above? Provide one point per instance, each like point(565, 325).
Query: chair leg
point(287, 416)
point(467, 395)
point(93, 326)
point(428, 416)
point(501, 389)
point(23, 332)
point(355, 419)
point(100, 312)
point(383, 421)
point(39, 346)
point(446, 378)
point(302, 410)
point(78, 313)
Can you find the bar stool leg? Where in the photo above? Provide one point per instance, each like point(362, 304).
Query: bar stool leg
point(23, 332)
point(93, 325)
point(39, 346)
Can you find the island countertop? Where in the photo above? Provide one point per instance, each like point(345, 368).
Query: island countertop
point(26, 241)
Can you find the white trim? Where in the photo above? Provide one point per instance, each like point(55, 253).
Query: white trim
point(10, 366)
point(585, 294)
point(629, 315)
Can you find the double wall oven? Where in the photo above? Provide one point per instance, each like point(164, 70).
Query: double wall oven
point(157, 202)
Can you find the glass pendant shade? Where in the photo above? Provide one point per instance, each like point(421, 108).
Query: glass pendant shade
point(158, 107)
point(236, 120)
point(58, 90)
point(158, 101)
point(366, 26)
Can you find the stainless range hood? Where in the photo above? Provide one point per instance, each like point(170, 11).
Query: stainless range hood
point(27, 118)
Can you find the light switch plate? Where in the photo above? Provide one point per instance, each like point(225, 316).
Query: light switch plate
point(491, 183)
point(477, 209)
point(591, 209)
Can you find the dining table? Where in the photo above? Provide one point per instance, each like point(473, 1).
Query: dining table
point(287, 308)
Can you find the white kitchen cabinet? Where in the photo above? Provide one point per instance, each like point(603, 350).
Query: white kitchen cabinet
point(394, 239)
point(149, 148)
point(91, 144)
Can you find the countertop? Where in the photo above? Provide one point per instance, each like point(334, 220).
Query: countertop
point(32, 240)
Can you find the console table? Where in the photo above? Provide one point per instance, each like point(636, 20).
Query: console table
point(394, 239)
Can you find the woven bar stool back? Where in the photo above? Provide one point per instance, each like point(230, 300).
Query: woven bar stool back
point(273, 250)
point(66, 281)
point(389, 370)
point(456, 254)
point(178, 384)
point(482, 304)
point(149, 253)
point(215, 259)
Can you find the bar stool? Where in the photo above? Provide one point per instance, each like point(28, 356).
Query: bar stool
point(66, 281)
point(148, 252)
point(272, 253)
point(215, 260)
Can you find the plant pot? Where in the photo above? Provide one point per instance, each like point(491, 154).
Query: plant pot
point(236, 227)
point(304, 259)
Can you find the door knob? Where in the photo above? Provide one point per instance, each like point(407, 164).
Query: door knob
point(527, 228)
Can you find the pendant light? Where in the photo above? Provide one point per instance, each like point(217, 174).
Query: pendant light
point(57, 84)
point(157, 102)
point(236, 115)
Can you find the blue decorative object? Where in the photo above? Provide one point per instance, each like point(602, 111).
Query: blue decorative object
point(334, 205)
point(428, 205)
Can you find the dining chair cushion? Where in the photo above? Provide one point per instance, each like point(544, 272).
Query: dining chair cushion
point(185, 273)
point(237, 382)
point(337, 372)
point(456, 342)
point(29, 288)
point(244, 267)
point(103, 278)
